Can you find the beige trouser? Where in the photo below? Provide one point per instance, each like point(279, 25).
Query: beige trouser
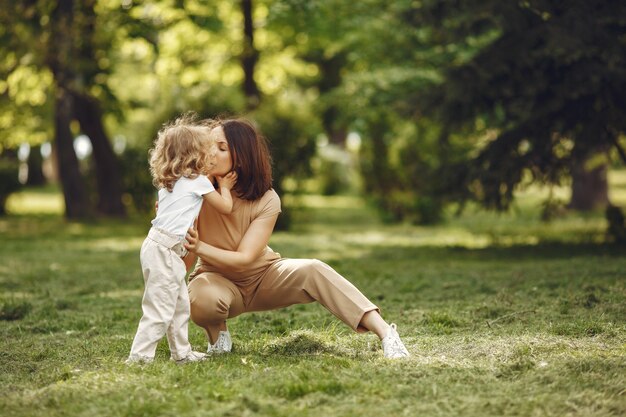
point(215, 298)
point(165, 301)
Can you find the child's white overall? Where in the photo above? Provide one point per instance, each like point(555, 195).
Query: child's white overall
point(165, 301)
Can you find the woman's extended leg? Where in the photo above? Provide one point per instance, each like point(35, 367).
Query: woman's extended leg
point(298, 281)
point(373, 321)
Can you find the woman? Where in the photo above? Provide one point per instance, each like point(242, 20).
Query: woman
point(239, 273)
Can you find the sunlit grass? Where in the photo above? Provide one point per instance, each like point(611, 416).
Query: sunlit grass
point(46, 200)
point(617, 187)
point(503, 315)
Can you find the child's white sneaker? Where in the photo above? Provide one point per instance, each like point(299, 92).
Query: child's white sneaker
point(223, 344)
point(393, 347)
point(138, 360)
point(192, 356)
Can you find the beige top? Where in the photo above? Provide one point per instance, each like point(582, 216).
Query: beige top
point(225, 231)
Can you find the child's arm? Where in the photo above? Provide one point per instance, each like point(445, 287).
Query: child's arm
point(222, 201)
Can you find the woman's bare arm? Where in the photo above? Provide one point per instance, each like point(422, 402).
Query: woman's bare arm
point(190, 260)
point(250, 248)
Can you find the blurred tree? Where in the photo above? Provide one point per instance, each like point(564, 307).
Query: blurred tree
point(92, 66)
point(466, 100)
point(370, 62)
point(35, 166)
point(320, 33)
point(290, 130)
point(542, 98)
point(58, 55)
point(249, 56)
point(63, 39)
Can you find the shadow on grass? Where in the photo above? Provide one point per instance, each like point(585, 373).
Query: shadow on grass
point(540, 251)
point(48, 226)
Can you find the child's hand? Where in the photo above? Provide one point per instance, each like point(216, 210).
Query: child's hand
point(192, 243)
point(228, 181)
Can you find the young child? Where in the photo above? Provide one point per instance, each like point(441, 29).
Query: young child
point(180, 161)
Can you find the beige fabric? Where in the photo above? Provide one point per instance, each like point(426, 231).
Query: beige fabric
point(165, 302)
point(269, 283)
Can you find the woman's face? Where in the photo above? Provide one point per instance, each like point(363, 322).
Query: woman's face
point(223, 161)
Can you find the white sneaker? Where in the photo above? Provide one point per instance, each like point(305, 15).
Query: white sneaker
point(393, 347)
point(223, 344)
point(138, 360)
point(192, 356)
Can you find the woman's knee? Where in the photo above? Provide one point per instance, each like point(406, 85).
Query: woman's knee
point(313, 272)
point(207, 307)
point(314, 265)
point(209, 302)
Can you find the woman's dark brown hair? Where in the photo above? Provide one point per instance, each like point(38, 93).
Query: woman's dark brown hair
point(250, 157)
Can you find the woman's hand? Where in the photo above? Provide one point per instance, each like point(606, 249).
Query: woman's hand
point(192, 243)
point(228, 181)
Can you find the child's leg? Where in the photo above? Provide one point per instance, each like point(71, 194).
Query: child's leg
point(177, 332)
point(159, 300)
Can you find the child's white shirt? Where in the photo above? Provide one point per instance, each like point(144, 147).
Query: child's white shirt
point(179, 208)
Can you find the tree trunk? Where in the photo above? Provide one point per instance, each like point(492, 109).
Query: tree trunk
point(337, 133)
point(108, 177)
point(76, 201)
point(331, 78)
point(60, 55)
point(249, 57)
point(35, 167)
point(590, 190)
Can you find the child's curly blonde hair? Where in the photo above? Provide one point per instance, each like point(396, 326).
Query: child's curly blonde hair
point(183, 148)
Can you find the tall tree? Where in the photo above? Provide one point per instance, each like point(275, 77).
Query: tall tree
point(60, 54)
point(249, 56)
point(546, 89)
point(88, 112)
point(62, 38)
point(85, 72)
point(322, 33)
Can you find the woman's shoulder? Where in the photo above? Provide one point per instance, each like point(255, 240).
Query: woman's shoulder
point(268, 203)
point(270, 195)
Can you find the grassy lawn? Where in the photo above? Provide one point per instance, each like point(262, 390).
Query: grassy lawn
point(503, 315)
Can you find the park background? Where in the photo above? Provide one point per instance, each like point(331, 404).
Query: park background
point(461, 162)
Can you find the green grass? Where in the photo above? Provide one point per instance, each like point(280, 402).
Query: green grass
point(503, 314)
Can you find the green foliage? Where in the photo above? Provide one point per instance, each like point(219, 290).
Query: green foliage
point(454, 101)
point(333, 175)
point(139, 192)
point(543, 93)
point(402, 169)
point(291, 132)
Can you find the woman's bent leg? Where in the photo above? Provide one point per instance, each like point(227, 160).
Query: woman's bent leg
point(298, 281)
point(213, 299)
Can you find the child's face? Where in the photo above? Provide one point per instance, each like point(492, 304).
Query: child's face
point(220, 153)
